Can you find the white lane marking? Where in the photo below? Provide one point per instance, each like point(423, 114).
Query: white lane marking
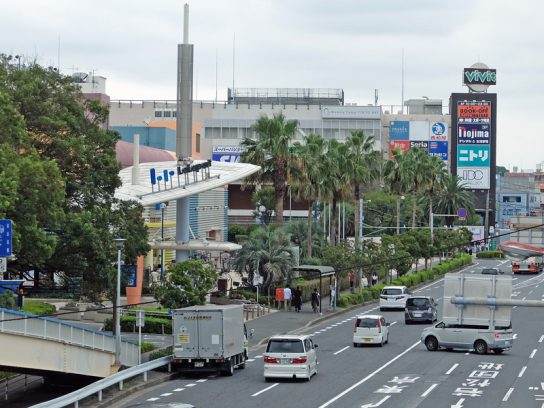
point(525, 297)
point(522, 371)
point(515, 336)
point(265, 389)
point(533, 354)
point(428, 391)
point(369, 376)
point(453, 367)
point(152, 399)
point(258, 356)
point(541, 339)
point(507, 395)
point(393, 323)
point(190, 385)
point(202, 380)
point(178, 389)
point(531, 291)
point(514, 307)
point(329, 327)
point(250, 360)
point(514, 279)
point(466, 354)
point(339, 351)
point(429, 285)
point(166, 394)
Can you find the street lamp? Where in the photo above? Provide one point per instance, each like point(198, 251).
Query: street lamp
point(119, 243)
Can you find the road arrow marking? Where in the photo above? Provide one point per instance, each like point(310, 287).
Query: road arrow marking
point(459, 403)
point(376, 404)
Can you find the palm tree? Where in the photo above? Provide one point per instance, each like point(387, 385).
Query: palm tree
point(396, 177)
point(363, 167)
point(417, 171)
point(452, 197)
point(305, 179)
point(335, 180)
point(271, 152)
point(434, 182)
point(268, 253)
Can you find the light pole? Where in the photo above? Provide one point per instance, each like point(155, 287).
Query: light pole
point(163, 207)
point(119, 243)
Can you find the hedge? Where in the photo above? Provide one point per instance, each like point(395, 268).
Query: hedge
point(38, 307)
point(497, 254)
point(167, 351)
point(154, 325)
point(409, 280)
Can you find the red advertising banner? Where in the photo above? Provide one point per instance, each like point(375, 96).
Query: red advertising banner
point(402, 145)
point(474, 110)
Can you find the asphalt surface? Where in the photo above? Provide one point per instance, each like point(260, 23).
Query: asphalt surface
point(401, 374)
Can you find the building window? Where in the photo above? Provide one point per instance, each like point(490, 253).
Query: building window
point(197, 143)
point(167, 114)
point(158, 114)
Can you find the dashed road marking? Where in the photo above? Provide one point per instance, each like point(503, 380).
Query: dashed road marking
point(259, 356)
point(522, 371)
point(202, 380)
point(533, 354)
point(541, 339)
point(178, 389)
point(453, 367)
point(507, 395)
point(250, 360)
point(339, 351)
point(265, 389)
point(190, 385)
point(166, 394)
point(152, 399)
point(428, 391)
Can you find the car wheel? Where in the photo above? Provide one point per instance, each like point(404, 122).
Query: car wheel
point(480, 347)
point(382, 309)
point(406, 321)
point(268, 379)
point(387, 339)
point(431, 343)
point(355, 345)
point(381, 342)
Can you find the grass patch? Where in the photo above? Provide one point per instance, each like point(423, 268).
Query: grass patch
point(38, 307)
point(145, 347)
point(167, 351)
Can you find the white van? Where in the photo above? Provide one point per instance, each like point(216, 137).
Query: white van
point(370, 329)
point(290, 356)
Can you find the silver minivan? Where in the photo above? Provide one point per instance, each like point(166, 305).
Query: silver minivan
point(469, 337)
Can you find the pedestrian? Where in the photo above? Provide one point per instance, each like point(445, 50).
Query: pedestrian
point(287, 294)
point(297, 298)
point(374, 278)
point(351, 277)
point(315, 300)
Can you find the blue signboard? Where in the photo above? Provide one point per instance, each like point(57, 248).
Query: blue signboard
point(473, 156)
point(439, 149)
point(130, 274)
point(226, 157)
point(5, 238)
point(399, 130)
point(474, 133)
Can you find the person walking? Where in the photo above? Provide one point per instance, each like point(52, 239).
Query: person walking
point(374, 278)
point(297, 298)
point(315, 300)
point(287, 295)
point(351, 277)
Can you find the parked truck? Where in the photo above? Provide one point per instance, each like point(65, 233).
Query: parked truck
point(210, 337)
point(533, 264)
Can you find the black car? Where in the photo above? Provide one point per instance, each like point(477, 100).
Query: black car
point(420, 309)
point(491, 271)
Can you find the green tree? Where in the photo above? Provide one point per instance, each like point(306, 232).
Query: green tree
point(265, 196)
point(188, 284)
point(396, 177)
point(271, 151)
point(342, 257)
point(297, 230)
point(7, 300)
point(434, 182)
point(268, 253)
point(363, 165)
point(452, 197)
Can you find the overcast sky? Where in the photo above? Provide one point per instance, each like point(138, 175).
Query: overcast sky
point(355, 45)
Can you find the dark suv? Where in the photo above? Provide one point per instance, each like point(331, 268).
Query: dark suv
point(420, 309)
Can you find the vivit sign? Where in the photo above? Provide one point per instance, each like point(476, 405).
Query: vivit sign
point(479, 77)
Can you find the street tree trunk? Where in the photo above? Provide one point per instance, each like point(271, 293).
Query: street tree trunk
point(309, 231)
point(398, 215)
point(333, 221)
point(356, 204)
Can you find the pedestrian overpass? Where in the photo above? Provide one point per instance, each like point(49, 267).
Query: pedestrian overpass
point(47, 346)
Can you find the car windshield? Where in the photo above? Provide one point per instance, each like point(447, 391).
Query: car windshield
point(367, 323)
point(285, 346)
point(419, 303)
point(391, 291)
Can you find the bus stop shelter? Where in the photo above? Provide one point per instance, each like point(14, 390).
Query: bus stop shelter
point(317, 271)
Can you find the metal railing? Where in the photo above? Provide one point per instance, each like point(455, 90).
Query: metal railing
point(18, 382)
point(48, 328)
point(98, 386)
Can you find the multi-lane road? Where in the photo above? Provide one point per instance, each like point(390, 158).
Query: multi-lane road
point(401, 374)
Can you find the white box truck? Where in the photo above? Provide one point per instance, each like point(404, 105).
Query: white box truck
point(210, 337)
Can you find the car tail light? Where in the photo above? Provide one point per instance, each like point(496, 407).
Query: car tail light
point(497, 335)
point(299, 360)
point(270, 360)
point(379, 326)
point(399, 297)
point(383, 297)
point(515, 264)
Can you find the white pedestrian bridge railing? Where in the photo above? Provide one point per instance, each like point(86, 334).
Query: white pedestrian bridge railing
point(49, 328)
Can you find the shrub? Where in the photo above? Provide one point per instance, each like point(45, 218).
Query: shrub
point(343, 301)
point(497, 254)
point(167, 351)
point(145, 347)
point(153, 325)
point(38, 308)
point(367, 294)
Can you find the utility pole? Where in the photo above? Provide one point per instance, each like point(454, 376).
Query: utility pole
point(486, 222)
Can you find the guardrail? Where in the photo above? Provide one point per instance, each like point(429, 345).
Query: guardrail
point(98, 386)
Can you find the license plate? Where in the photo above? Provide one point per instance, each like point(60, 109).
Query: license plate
point(367, 340)
point(286, 361)
point(199, 364)
point(417, 314)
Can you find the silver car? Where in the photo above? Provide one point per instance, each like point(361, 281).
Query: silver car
point(469, 337)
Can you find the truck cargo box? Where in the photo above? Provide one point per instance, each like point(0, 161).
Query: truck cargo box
point(477, 286)
point(208, 332)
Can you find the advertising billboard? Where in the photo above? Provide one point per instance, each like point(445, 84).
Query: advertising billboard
point(351, 112)
point(474, 177)
point(473, 155)
point(398, 130)
point(439, 149)
point(438, 131)
point(402, 145)
point(419, 144)
point(230, 154)
point(473, 112)
point(418, 130)
point(474, 133)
